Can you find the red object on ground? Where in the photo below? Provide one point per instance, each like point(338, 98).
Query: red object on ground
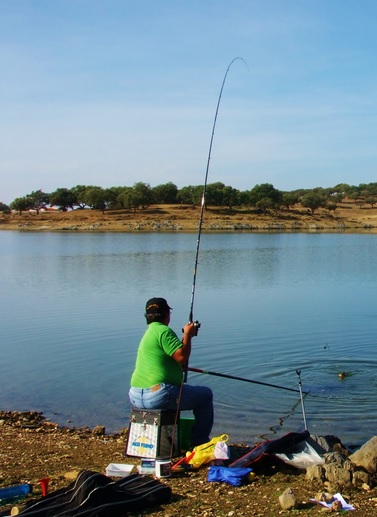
point(44, 485)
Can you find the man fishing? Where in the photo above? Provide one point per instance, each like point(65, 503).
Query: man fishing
point(157, 381)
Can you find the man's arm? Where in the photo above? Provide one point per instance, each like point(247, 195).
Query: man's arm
point(183, 353)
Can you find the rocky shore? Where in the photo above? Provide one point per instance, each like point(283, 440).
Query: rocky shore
point(32, 448)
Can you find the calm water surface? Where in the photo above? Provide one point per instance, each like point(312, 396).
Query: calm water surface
point(269, 304)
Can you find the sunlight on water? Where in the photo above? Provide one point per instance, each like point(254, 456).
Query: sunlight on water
point(270, 305)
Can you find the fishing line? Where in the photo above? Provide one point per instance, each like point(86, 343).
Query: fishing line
point(281, 421)
point(191, 313)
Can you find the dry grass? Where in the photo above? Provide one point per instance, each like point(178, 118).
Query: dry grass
point(348, 217)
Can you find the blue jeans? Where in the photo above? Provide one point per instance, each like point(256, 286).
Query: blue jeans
point(199, 399)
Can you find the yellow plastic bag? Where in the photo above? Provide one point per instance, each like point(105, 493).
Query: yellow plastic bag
point(205, 453)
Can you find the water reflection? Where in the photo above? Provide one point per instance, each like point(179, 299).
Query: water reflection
point(72, 315)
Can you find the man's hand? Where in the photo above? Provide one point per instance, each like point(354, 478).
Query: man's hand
point(191, 329)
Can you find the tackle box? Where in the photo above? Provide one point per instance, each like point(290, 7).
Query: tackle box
point(152, 432)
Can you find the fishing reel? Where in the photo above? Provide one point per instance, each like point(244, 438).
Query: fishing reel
point(197, 326)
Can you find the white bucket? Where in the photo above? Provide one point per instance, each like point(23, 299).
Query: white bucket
point(163, 468)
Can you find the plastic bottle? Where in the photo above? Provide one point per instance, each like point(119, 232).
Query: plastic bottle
point(10, 493)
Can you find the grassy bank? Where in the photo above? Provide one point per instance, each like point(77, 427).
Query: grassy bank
point(348, 217)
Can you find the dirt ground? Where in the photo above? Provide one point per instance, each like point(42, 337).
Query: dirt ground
point(32, 448)
point(348, 217)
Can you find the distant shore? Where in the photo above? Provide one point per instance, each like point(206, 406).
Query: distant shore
point(348, 217)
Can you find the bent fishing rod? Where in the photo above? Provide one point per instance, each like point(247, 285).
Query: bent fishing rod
point(203, 201)
point(226, 376)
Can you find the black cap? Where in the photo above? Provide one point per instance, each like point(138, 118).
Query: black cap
point(157, 306)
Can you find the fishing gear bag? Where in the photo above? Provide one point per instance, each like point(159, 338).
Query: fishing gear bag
point(266, 452)
point(95, 495)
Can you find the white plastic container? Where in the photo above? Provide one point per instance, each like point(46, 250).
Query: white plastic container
point(147, 466)
point(120, 470)
point(163, 468)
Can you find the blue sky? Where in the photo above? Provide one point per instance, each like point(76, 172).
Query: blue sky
point(113, 92)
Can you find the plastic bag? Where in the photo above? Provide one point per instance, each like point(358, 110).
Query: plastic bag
point(221, 451)
point(302, 457)
point(232, 476)
point(206, 452)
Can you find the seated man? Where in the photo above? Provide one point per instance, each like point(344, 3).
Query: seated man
point(157, 381)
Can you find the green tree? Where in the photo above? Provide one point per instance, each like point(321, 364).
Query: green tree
point(165, 194)
point(266, 191)
point(244, 198)
point(371, 201)
point(124, 198)
point(342, 189)
point(79, 191)
point(336, 197)
point(190, 195)
point(313, 200)
point(331, 207)
point(98, 198)
point(21, 204)
point(231, 197)
point(354, 194)
point(215, 194)
point(114, 198)
point(63, 198)
point(368, 189)
point(38, 200)
point(4, 208)
point(289, 199)
point(266, 203)
point(141, 195)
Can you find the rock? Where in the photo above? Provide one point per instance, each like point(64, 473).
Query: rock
point(323, 444)
point(338, 469)
point(336, 506)
point(336, 474)
point(336, 457)
point(72, 475)
point(99, 430)
point(314, 472)
point(361, 478)
point(325, 497)
point(288, 499)
point(48, 424)
point(366, 456)
point(333, 488)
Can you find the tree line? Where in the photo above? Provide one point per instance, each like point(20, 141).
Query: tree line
point(262, 196)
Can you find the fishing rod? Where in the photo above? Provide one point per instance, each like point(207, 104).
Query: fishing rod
point(191, 313)
point(226, 376)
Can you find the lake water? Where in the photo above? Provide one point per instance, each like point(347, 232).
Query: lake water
point(269, 304)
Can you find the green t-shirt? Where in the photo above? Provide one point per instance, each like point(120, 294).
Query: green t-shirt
point(154, 363)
